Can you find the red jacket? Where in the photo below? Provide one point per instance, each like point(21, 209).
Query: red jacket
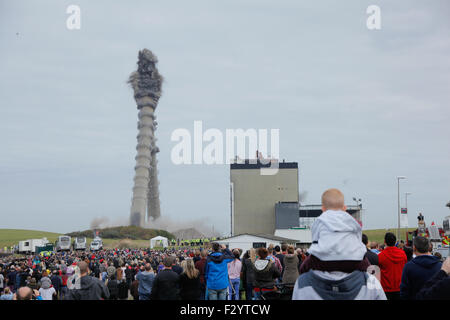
point(391, 262)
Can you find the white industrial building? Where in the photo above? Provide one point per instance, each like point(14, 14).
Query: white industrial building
point(268, 205)
point(247, 241)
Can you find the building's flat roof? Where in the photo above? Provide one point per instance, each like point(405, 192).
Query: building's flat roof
point(252, 164)
point(266, 236)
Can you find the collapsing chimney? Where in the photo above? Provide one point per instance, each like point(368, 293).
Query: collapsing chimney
point(146, 83)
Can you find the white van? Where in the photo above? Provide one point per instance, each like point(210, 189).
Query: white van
point(97, 244)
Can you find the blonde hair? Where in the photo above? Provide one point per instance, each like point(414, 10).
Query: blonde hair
point(189, 268)
point(252, 253)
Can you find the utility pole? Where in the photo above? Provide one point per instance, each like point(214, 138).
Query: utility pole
point(398, 213)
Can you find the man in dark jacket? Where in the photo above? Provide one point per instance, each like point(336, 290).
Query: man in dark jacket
point(200, 266)
point(216, 272)
point(248, 275)
point(419, 270)
point(88, 288)
point(166, 283)
point(438, 287)
point(371, 256)
point(280, 257)
point(56, 282)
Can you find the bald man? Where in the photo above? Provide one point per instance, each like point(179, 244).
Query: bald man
point(333, 199)
point(24, 293)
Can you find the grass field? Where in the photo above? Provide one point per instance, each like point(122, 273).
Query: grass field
point(378, 234)
point(10, 237)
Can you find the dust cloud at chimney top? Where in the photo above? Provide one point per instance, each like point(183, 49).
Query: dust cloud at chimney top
point(146, 83)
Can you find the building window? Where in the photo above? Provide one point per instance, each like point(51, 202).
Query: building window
point(306, 222)
point(257, 245)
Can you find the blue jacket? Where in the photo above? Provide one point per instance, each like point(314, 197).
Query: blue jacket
point(216, 270)
point(416, 272)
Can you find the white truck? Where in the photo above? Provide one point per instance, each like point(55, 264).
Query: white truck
point(79, 243)
point(29, 246)
point(24, 246)
point(96, 244)
point(63, 243)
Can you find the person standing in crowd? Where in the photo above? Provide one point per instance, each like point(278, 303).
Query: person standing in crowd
point(47, 291)
point(89, 288)
point(438, 287)
point(234, 274)
point(216, 272)
point(291, 267)
point(7, 294)
point(122, 285)
point(273, 258)
point(64, 289)
point(175, 266)
point(45, 282)
point(419, 270)
point(134, 289)
point(247, 273)
point(56, 282)
point(200, 266)
point(11, 278)
point(336, 267)
point(280, 256)
point(375, 247)
point(370, 255)
point(166, 283)
point(190, 285)
point(266, 273)
point(197, 256)
point(113, 286)
point(24, 293)
point(32, 284)
point(391, 262)
point(146, 277)
point(409, 253)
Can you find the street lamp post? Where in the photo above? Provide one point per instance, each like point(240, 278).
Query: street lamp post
point(398, 198)
point(406, 205)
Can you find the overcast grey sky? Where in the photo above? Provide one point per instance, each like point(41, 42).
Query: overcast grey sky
point(354, 107)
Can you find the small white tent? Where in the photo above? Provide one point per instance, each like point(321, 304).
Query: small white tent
point(159, 242)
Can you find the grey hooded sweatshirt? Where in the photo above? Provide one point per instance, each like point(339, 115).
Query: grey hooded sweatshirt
point(321, 285)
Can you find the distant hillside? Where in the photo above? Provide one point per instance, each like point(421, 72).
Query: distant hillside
point(11, 237)
point(126, 232)
point(186, 234)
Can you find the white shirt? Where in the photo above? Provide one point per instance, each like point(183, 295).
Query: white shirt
point(47, 294)
point(1, 280)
